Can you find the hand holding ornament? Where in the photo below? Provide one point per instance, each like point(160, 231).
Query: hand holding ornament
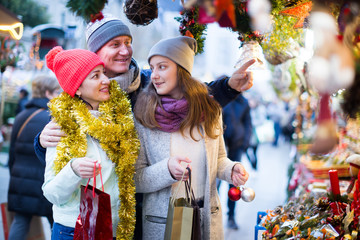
point(239, 175)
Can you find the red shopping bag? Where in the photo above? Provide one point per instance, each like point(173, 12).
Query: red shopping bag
point(94, 221)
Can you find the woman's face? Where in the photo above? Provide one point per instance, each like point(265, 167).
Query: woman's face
point(164, 77)
point(116, 55)
point(95, 88)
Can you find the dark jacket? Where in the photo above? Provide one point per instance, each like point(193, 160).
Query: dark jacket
point(26, 171)
point(237, 121)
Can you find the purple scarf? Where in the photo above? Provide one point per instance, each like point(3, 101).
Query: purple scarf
point(172, 114)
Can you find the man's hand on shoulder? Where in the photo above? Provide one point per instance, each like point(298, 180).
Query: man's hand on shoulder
point(51, 135)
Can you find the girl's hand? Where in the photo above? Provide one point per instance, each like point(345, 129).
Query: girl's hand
point(84, 167)
point(239, 175)
point(176, 169)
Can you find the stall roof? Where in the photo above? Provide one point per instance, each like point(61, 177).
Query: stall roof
point(10, 24)
point(49, 31)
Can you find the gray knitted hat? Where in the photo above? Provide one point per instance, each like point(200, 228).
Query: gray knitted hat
point(181, 50)
point(98, 33)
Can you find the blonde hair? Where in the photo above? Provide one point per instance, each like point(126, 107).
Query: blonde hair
point(202, 107)
point(43, 83)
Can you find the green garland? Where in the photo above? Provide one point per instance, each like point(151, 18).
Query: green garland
point(115, 130)
point(189, 23)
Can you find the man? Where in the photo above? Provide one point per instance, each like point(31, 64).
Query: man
point(237, 133)
point(111, 39)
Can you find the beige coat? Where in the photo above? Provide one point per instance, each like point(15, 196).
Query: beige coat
point(154, 180)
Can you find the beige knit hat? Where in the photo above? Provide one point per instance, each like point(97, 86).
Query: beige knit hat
point(181, 50)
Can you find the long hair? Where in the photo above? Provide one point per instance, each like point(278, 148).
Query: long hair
point(202, 107)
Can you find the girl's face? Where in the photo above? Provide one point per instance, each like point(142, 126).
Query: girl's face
point(95, 88)
point(116, 55)
point(164, 77)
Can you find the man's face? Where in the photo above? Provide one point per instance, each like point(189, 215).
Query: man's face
point(116, 54)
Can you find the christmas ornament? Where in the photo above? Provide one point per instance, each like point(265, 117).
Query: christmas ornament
point(234, 193)
point(225, 11)
point(300, 12)
point(86, 8)
point(251, 50)
point(248, 194)
point(141, 12)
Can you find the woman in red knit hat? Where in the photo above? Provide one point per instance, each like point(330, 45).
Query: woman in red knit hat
point(96, 117)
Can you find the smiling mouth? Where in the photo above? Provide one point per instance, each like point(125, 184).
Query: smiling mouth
point(121, 60)
point(158, 84)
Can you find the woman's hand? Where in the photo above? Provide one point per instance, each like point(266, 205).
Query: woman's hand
point(84, 167)
point(176, 169)
point(239, 175)
point(51, 135)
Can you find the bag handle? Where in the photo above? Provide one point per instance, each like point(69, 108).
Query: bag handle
point(94, 176)
point(189, 190)
point(28, 119)
point(178, 187)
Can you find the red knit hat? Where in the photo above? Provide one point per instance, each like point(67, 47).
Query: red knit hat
point(71, 67)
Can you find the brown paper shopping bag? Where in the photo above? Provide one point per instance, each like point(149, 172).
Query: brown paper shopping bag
point(183, 219)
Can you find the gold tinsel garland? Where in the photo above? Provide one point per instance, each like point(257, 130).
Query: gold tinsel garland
point(115, 130)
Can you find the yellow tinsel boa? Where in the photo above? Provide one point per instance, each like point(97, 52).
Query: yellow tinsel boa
point(115, 130)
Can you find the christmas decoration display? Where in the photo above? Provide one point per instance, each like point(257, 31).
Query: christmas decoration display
point(86, 9)
point(9, 52)
point(141, 12)
point(190, 27)
point(310, 216)
point(121, 147)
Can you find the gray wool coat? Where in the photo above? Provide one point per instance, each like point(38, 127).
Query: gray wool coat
point(154, 180)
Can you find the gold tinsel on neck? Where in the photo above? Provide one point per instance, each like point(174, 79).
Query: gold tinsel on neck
point(115, 130)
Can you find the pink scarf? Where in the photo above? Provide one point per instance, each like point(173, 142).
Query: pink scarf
point(172, 114)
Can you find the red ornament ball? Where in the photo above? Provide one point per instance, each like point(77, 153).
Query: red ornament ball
point(234, 194)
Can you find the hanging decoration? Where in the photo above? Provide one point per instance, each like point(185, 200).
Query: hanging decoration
point(190, 27)
point(282, 43)
point(86, 9)
point(141, 12)
point(225, 13)
point(330, 69)
point(243, 24)
point(300, 12)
